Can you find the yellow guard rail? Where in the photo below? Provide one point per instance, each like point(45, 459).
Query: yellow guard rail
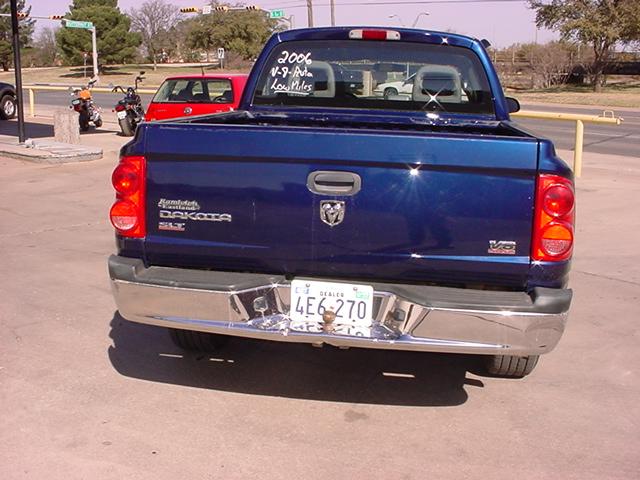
point(607, 118)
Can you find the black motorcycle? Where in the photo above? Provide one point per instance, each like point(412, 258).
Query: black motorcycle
point(83, 104)
point(129, 110)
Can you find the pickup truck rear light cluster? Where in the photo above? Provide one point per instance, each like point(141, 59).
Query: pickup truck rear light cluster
point(553, 219)
point(127, 213)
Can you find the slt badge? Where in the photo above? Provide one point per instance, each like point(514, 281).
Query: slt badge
point(332, 212)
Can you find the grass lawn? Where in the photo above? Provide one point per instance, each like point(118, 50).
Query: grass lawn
point(615, 95)
point(124, 75)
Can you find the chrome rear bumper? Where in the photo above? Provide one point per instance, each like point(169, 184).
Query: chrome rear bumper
point(406, 317)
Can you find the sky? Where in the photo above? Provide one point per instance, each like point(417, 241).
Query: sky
point(501, 22)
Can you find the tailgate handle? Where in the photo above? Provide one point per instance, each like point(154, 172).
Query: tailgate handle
point(334, 183)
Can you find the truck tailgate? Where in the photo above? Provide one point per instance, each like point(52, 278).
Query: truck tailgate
point(432, 207)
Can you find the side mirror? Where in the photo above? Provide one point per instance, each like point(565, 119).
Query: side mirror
point(513, 105)
point(142, 72)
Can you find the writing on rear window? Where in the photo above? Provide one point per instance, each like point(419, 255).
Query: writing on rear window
point(291, 74)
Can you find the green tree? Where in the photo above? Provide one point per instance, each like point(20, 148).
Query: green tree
point(242, 32)
point(116, 44)
point(26, 32)
point(601, 24)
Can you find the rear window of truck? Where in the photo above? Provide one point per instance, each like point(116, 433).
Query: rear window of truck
point(387, 75)
point(187, 90)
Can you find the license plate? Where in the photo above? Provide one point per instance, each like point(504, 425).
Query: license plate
point(121, 114)
point(352, 304)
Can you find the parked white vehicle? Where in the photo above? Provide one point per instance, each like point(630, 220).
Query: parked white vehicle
point(394, 88)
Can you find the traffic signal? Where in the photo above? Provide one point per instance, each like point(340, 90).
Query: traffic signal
point(23, 14)
point(56, 17)
point(189, 10)
point(252, 7)
point(221, 8)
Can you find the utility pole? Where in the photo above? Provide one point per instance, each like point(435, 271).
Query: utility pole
point(309, 13)
point(15, 30)
point(333, 13)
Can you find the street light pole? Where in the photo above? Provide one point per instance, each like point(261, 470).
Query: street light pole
point(289, 19)
point(15, 30)
point(95, 51)
point(399, 19)
point(415, 22)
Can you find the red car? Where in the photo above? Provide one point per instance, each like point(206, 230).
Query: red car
point(196, 95)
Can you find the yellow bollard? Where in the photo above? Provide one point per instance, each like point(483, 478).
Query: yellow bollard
point(577, 153)
point(32, 101)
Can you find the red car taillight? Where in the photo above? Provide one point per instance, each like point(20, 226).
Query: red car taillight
point(553, 219)
point(127, 213)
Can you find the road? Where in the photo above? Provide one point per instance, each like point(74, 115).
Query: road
point(611, 139)
point(86, 394)
point(618, 140)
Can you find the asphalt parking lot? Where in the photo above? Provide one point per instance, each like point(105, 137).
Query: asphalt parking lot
point(88, 395)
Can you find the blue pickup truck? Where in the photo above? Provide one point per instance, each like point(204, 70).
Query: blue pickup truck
point(325, 211)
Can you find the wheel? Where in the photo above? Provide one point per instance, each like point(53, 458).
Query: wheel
point(197, 341)
point(126, 127)
point(83, 120)
point(509, 366)
point(98, 123)
point(8, 107)
point(389, 92)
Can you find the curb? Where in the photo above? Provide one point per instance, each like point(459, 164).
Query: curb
point(43, 151)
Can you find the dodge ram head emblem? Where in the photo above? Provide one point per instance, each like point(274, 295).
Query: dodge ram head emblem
point(332, 212)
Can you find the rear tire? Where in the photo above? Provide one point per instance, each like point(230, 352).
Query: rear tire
point(126, 127)
point(8, 107)
point(98, 123)
point(197, 341)
point(509, 366)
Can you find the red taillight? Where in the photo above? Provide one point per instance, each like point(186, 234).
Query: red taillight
point(558, 200)
point(554, 219)
point(125, 179)
point(360, 34)
point(127, 213)
point(120, 108)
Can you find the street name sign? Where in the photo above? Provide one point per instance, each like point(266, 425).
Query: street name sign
point(77, 24)
point(276, 14)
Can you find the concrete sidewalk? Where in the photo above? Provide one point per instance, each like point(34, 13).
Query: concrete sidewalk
point(42, 148)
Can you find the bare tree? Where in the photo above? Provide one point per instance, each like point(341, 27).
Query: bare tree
point(46, 47)
point(552, 62)
point(155, 20)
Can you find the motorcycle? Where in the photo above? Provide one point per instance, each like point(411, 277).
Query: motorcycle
point(83, 104)
point(129, 110)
